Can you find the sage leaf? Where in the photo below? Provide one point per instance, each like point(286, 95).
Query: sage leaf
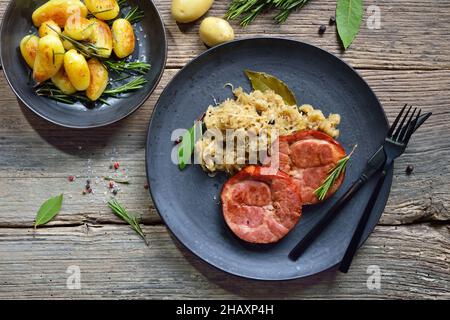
point(48, 210)
point(348, 19)
point(263, 81)
point(187, 144)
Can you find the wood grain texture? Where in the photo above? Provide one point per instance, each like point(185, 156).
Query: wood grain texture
point(414, 263)
point(407, 60)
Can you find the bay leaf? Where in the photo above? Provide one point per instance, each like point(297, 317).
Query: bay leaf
point(48, 210)
point(348, 20)
point(263, 81)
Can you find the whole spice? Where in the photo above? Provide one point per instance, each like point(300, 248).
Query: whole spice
point(409, 169)
point(322, 29)
point(116, 165)
point(71, 178)
point(332, 21)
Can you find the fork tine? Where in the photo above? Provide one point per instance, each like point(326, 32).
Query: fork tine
point(397, 131)
point(392, 128)
point(406, 126)
point(411, 129)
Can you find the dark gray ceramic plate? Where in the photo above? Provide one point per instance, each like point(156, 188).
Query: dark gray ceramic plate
point(188, 201)
point(151, 44)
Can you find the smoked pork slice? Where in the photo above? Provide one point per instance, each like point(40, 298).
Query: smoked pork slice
point(308, 156)
point(261, 205)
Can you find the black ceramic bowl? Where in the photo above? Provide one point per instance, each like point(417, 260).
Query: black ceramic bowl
point(151, 45)
point(189, 200)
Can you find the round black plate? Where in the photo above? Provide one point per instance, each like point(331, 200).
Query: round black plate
point(151, 45)
point(188, 201)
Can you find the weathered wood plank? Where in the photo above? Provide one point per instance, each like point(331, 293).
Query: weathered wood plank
point(114, 262)
point(36, 157)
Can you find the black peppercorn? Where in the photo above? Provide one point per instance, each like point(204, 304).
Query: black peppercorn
point(178, 140)
point(409, 169)
point(322, 29)
point(332, 20)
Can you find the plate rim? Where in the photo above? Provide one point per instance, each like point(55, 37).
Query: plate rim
point(138, 105)
point(151, 124)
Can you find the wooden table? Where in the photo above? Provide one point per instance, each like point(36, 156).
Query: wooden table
point(407, 60)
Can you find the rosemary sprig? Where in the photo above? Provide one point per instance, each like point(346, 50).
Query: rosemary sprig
point(250, 9)
point(124, 66)
point(122, 3)
point(130, 219)
point(48, 89)
point(333, 175)
point(135, 15)
point(135, 84)
point(117, 180)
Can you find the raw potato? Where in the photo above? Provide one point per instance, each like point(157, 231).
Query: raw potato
point(214, 31)
point(102, 38)
point(49, 58)
point(45, 30)
point(99, 79)
point(78, 28)
point(58, 11)
point(28, 48)
point(123, 38)
point(62, 82)
point(103, 9)
point(186, 11)
point(77, 69)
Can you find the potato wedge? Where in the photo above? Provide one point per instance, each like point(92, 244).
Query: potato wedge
point(99, 79)
point(49, 58)
point(62, 82)
point(123, 38)
point(77, 69)
point(103, 9)
point(28, 48)
point(45, 30)
point(101, 37)
point(58, 11)
point(78, 27)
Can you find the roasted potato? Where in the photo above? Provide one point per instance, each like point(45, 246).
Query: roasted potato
point(77, 69)
point(62, 82)
point(101, 37)
point(185, 11)
point(214, 31)
point(49, 58)
point(123, 38)
point(103, 9)
point(28, 48)
point(78, 28)
point(99, 79)
point(45, 30)
point(67, 44)
point(58, 11)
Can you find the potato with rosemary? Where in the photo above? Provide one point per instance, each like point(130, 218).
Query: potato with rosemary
point(28, 49)
point(78, 28)
point(49, 27)
point(49, 58)
point(123, 38)
point(66, 43)
point(103, 9)
point(58, 11)
point(77, 70)
point(101, 37)
point(99, 79)
point(62, 82)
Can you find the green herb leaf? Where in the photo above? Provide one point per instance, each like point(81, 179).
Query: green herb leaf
point(263, 81)
point(48, 210)
point(187, 144)
point(117, 180)
point(348, 19)
point(130, 219)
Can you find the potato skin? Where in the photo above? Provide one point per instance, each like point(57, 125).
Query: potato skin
point(123, 38)
point(186, 11)
point(28, 48)
point(62, 82)
point(103, 9)
point(44, 30)
point(78, 27)
point(58, 11)
point(214, 31)
point(102, 37)
point(99, 79)
point(77, 70)
point(67, 44)
point(49, 58)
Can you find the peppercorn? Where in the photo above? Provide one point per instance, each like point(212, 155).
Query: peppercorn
point(71, 178)
point(89, 190)
point(114, 192)
point(111, 184)
point(409, 169)
point(332, 20)
point(146, 186)
point(178, 140)
point(116, 165)
point(322, 29)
